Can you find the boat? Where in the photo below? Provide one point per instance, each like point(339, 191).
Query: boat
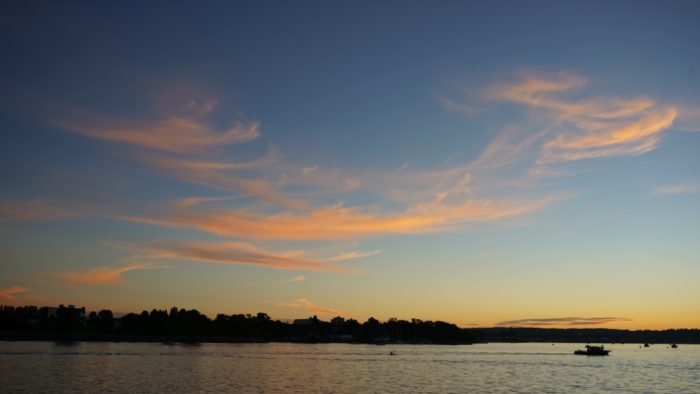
point(593, 351)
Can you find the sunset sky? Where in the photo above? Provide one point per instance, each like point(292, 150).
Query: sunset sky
point(500, 163)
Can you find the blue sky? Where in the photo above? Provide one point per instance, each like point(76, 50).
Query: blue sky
point(471, 162)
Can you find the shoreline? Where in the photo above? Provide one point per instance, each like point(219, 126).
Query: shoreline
point(190, 341)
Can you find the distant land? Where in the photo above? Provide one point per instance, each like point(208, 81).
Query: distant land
point(69, 323)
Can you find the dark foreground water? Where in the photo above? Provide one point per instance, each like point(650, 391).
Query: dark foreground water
point(337, 368)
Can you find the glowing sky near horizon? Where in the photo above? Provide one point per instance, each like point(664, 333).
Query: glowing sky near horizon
point(514, 163)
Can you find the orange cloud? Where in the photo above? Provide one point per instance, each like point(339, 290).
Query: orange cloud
point(8, 294)
point(310, 306)
point(109, 275)
point(220, 175)
point(627, 139)
point(175, 133)
point(233, 253)
point(188, 148)
point(589, 128)
point(340, 222)
point(533, 90)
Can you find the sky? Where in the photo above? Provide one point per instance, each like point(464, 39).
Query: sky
point(482, 163)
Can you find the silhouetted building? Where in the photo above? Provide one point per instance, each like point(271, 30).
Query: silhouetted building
point(52, 311)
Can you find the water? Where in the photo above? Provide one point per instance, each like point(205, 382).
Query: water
point(338, 368)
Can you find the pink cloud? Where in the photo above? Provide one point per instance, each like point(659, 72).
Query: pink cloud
point(9, 293)
point(340, 222)
point(233, 253)
point(310, 306)
point(109, 275)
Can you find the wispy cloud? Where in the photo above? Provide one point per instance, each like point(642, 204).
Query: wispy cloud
point(310, 306)
point(309, 170)
point(221, 175)
point(340, 222)
point(9, 293)
point(298, 278)
point(588, 128)
point(178, 133)
point(457, 107)
point(355, 255)
point(270, 199)
point(35, 210)
point(687, 187)
point(632, 138)
point(563, 321)
point(187, 147)
point(230, 252)
point(109, 275)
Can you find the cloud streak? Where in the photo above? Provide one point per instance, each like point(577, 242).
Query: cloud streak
point(233, 253)
point(588, 128)
point(339, 222)
point(310, 306)
point(221, 175)
point(9, 293)
point(562, 321)
point(186, 147)
point(688, 187)
point(184, 133)
point(355, 255)
point(109, 275)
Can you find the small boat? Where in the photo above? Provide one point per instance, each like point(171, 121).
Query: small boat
point(593, 351)
point(673, 346)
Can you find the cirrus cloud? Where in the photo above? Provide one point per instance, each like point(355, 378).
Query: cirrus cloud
point(687, 187)
point(563, 321)
point(231, 252)
point(339, 222)
point(309, 306)
point(109, 275)
point(183, 133)
point(588, 128)
point(355, 255)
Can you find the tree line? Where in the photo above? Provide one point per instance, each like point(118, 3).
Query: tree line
point(70, 323)
point(190, 325)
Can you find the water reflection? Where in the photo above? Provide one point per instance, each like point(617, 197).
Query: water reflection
point(288, 368)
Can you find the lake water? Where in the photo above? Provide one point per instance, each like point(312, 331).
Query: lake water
point(29, 367)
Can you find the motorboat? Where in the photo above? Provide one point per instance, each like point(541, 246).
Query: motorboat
point(593, 351)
